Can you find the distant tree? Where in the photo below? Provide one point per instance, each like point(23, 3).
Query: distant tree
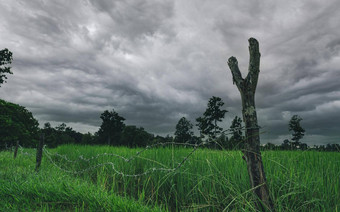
point(160, 139)
point(88, 138)
point(157, 139)
point(133, 136)
point(298, 131)
point(236, 140)
point(195, 140)
point(47, 125)
point(76, 136)
point(223, 142)
point(328, 148)
point(61, 134)
point(303, 146)
point(111, 128)
point(270, 146)
point(5, 59)
point(321, 148)
point(61, 128)
point(286, 145)
point(201, 125)
point(212, 115)
point(333, 147)
point(183, 133)
point(17, 124)
point(169, 138)
point(51, 136)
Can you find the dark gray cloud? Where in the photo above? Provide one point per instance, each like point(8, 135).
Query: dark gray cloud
point(156, 61)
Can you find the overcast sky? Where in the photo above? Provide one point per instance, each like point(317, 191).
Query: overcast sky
point(155, 61)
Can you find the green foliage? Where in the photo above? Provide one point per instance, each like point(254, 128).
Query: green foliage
point(270, 146)
point(223, 142)
point(17, 123)
point(111, 128)
point(88, 138)
point(209, 180)
point(183, 132)
point(51, 136)
point(22, 189)
point(298, 131)
point(237, 138)
point(286, 145)
point(61, 134)
point(207, 124)
point(133, 136)
point(5, 59)
point(202, 125)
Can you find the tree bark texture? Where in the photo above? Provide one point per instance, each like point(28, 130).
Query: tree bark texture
point(252, 154)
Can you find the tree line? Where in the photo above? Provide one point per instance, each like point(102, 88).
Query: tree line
point(18, 124)
point(210, 130)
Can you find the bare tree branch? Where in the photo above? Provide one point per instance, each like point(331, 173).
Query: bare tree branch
point(254, 64)
point(235, 71)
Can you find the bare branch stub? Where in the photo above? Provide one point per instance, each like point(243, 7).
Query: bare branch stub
point(237, 76)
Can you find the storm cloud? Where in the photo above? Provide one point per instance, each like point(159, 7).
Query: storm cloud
point(156, 61)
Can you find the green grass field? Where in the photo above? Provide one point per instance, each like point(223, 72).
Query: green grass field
point(91, 178)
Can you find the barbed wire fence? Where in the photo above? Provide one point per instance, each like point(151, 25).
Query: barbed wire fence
point(53, 158)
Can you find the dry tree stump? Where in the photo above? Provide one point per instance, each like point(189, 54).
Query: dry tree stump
point(251, 151)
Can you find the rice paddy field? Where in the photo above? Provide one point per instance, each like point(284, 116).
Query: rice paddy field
point(102, 178)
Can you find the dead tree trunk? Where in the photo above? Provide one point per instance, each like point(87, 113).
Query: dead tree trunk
point(252, 154)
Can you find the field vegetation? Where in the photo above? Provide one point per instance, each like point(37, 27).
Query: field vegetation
point(93, 178)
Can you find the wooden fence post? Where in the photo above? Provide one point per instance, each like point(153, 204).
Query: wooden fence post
point(16, 149)
point(39, 152)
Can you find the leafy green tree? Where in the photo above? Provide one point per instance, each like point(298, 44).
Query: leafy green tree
point(61, 128)
point(236, 140)
point(51, 137)
point(61, 134)
point(223, 142)
point(270, 146)
point(183, 133)
point(133, 136)
point(332, 148)
point(208, 124)
point(303, 146)
point(5, 59)
point(75, 136)
point(286, 145)
point(201, 125)
point(17, 123)
point(298, 131)
point(111, 128)
point(88, 138)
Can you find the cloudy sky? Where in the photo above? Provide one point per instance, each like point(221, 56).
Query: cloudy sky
point(155, 61)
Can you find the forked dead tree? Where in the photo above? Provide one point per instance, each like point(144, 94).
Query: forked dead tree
point(252, 154)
